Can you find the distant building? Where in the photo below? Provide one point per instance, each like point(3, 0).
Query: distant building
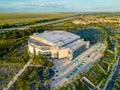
point(57, 44)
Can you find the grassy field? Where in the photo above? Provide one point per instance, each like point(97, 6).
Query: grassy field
point(18, 18)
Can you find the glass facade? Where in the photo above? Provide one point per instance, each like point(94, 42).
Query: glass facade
point(48, 54)
point(79, 51)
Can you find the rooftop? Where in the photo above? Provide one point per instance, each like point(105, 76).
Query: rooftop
point(36, 42)
point(59, 38)
point(75, 45)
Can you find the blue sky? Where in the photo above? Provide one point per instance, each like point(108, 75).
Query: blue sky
point(59, 5)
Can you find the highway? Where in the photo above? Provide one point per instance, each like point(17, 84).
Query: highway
point(39, 24)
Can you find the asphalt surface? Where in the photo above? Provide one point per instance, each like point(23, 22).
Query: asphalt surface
point(111, 82)
point(67, 68)
point(38, 24)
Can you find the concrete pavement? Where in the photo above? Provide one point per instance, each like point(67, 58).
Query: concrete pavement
point(65, 66)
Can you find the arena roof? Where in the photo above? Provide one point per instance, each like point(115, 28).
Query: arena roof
point(58, 38)
point(36, 42)
point(75, 45)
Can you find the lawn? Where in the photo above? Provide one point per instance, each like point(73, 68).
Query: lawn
point(20, 18)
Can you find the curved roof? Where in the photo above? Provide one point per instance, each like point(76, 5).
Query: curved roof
point(59, 38)
point(75, 45)
point(38, 43)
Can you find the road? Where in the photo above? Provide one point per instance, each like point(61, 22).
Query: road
point(17, 75)
point(110, 82)
point(39, 24)
point(66, 67)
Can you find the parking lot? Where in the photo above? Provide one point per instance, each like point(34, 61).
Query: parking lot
point(66, 69)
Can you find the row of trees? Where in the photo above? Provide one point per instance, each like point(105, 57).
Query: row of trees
point(7, 46)
point(10, 40)
point(29, 77)
point(19, 56)
point(41, 60)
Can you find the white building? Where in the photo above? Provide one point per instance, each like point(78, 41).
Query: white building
point(57, 44)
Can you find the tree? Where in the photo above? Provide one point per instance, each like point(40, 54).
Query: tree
point(65, 84)
point(46, 71)
point(116, 85)
point(114, 88)
point(59, 87)
point(37, 59)
point(78, 76)
point(53, 88)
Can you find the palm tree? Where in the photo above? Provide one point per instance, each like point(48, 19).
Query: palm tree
point(78, 76)
point(46, 71)
point(53, 88)
point(69, 87)
point(58, 87)
point(38, 59)
point(116, 85)
point(114, 88)
point(36, 85)
point(65, 84)
point(73, 79)
point(47, 81)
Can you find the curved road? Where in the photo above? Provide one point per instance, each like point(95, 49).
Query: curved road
point(110, 84)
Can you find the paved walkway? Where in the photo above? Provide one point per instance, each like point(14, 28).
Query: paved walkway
point(110, 51)
point(17, 75)
point(101, 68)
point(36, 66)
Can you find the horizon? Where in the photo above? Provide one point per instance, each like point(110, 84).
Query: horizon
point(59, 6)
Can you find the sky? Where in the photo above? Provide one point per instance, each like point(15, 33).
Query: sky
point(59, 5)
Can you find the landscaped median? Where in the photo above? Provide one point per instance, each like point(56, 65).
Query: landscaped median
point(101, 70)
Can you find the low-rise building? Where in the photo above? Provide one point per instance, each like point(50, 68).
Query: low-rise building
point(57, 44)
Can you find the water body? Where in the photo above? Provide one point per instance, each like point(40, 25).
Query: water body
point(89, 34)
point(51, 73)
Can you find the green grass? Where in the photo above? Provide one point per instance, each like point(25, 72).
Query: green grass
point(79, 85)
point(96, 74)
point(15, 18)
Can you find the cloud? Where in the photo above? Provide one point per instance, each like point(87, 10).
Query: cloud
point(106, 9)
point(51, 5)
point(59, 6)
point(21, 5)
